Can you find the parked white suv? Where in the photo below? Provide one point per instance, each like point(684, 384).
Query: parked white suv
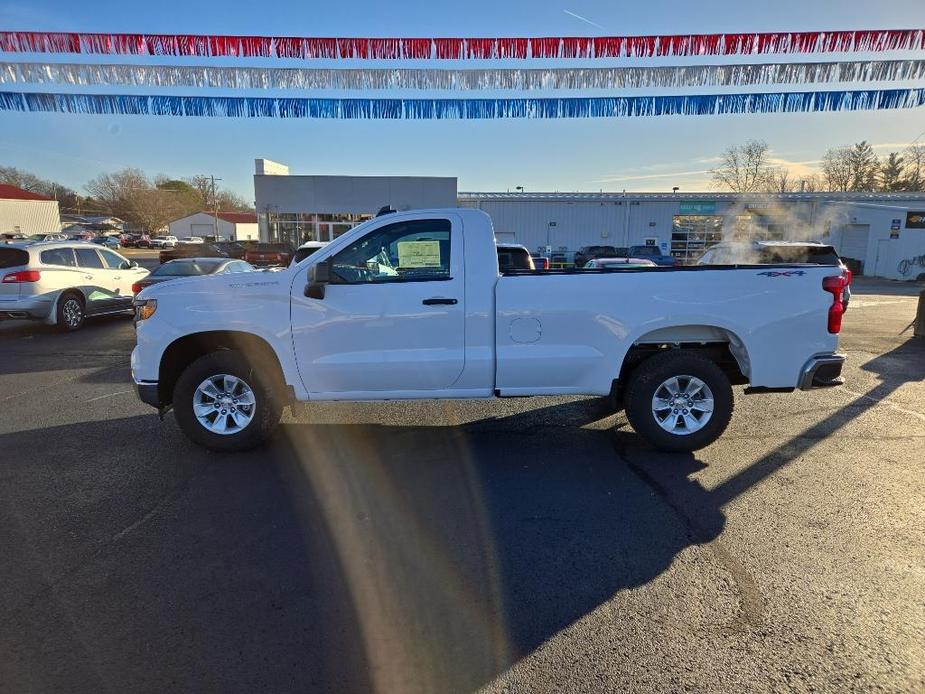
point(164, 241)
point(62, 283)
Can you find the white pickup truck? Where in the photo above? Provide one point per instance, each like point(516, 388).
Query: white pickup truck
point(411, 305)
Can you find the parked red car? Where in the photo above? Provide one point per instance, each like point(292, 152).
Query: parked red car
point(268, 254)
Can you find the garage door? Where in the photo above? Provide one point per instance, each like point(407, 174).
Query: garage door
point(202, 229)
point(854, 241)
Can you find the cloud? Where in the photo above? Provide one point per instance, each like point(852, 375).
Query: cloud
point(646, 177)
point(583, 19)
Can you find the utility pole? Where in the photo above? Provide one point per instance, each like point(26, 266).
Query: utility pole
point(215, 209)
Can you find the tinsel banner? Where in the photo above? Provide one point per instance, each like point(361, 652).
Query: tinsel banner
point(496, 78)
point(420, 109)
point(465, 48)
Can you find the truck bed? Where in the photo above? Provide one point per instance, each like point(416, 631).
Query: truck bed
point(568, 331)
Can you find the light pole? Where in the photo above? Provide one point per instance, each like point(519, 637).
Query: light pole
point(215, 209)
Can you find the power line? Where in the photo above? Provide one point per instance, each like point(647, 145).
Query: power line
point(918, 137)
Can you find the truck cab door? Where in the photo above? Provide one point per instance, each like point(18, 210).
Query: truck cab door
point(392, 316)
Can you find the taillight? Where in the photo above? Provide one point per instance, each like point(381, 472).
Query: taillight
point(836, 287)
point(23, 276)
point(136, 287)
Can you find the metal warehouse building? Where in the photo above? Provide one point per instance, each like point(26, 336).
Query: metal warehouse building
point(23, 212)
point(884, 231)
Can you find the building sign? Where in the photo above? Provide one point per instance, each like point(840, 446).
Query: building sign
point(915, 220)
point(698, 207)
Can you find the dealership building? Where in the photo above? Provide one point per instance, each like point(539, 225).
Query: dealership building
point(884, 232)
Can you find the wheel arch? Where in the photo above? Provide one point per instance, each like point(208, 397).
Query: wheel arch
point(185, 350)
point(52, 317)
point(721, 344)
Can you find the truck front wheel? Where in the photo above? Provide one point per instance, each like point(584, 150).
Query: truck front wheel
point(679, 401)
point(222, 403)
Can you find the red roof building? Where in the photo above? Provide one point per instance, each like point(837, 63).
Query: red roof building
point(8, 192)
point(238, 217)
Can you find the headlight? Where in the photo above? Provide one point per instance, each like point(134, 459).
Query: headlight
point(145, 308)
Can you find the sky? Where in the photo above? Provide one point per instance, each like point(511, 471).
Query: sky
point(640, 154)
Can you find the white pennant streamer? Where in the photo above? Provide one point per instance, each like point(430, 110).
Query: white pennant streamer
point(481, 79)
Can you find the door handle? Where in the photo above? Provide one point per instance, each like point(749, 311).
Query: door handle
point(438, 301)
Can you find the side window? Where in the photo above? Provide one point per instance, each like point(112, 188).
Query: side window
point(58, 256)
point(87, 257)
point(241, 266)
point(113, 261)
point(416, 250)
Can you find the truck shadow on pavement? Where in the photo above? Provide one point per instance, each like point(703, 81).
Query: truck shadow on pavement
point(347, 557)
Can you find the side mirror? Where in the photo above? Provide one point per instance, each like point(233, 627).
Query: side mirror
point(319, 275)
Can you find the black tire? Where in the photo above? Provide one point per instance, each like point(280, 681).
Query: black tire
point(71, 312)
point(267, 408)
point(648, 378)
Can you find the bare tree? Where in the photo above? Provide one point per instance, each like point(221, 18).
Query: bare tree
point(914, 156)
point(836, 168)
point(811, 184)
point(28, 181)
point(779, 180)
point(744, 168)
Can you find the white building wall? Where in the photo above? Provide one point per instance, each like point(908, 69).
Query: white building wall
point(30, 216)
point(203, 224)
point(900, 258)
point(246, 232)
point(630, 221)
point(350, 194)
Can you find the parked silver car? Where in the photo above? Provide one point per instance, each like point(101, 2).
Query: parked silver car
point(62, 283)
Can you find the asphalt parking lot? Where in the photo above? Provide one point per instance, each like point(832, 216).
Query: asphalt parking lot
point(524, 545)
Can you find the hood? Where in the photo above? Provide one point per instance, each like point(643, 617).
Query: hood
point(229, 285)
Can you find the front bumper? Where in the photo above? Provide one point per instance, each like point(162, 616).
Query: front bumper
point(148, 394)
point(822, 371)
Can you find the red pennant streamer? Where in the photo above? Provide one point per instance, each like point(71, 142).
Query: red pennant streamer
point(549, 47)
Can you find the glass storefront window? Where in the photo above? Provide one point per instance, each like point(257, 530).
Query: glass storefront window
point(692, 235)
point(295, 228)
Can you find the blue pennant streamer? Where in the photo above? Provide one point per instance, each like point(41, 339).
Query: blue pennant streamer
point(463, 109)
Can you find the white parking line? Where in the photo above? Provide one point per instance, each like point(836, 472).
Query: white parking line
point(108, 395)
point(878, 401)
point(861, 303)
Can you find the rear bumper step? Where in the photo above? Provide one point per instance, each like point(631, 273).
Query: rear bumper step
point(822, 371)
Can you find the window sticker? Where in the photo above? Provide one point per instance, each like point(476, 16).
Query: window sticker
point(415, 254)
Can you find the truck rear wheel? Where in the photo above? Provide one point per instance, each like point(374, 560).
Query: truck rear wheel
point(222, 403)
point(679, 401)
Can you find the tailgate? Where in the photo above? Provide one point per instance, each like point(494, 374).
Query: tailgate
point(11, 260)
